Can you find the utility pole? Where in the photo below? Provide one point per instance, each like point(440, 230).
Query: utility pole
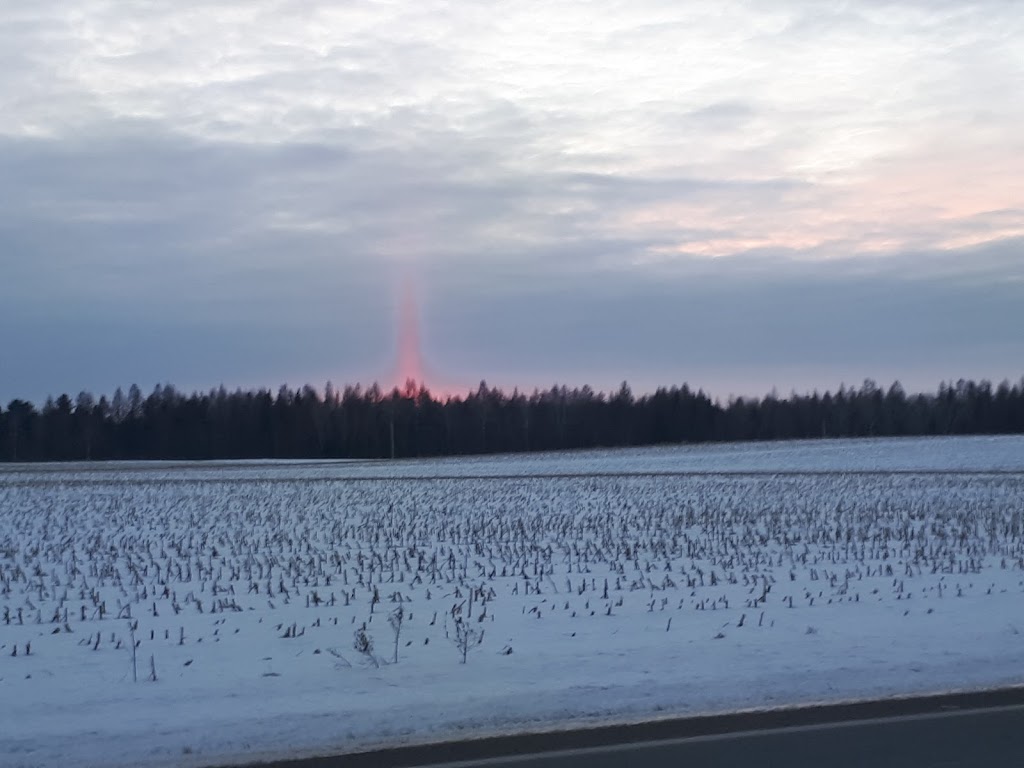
point(392, 430)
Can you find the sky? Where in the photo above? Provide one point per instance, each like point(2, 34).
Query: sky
point(738, 195)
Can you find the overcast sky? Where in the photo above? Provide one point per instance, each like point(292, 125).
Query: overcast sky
point(741, 195)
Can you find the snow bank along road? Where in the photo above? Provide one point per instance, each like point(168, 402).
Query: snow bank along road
point(196, 615)
point(947, 731)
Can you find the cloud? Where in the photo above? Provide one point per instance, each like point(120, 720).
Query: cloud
point(743, 326)
point(232, 191)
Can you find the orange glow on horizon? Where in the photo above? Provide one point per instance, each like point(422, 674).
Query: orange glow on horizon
point(410, 358)
point(410, 365)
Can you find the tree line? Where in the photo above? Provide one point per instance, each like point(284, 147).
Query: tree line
point(358, 422)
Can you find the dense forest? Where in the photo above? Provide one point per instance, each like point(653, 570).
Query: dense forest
point(409, 421)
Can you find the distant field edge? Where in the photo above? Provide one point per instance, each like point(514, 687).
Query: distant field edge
point(82, 480)
point(917, 724)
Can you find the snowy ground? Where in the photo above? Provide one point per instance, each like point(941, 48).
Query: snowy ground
point(246, 584)
point(926, 454)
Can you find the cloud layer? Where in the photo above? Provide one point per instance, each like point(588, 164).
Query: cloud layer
point(736, 194)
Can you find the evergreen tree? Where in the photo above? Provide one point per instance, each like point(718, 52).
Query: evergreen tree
point(409, 421)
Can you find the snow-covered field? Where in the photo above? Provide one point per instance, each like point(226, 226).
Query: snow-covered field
point(926, 454)
point(583, 590)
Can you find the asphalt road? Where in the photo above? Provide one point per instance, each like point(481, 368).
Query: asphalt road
point(946, 731)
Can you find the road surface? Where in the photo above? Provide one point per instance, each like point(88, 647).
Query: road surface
point(960, 730)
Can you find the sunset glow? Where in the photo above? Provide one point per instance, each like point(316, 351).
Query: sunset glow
point(225, 192)
point(410, 354)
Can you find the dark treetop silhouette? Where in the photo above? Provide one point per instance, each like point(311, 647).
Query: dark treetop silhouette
point(409, 421)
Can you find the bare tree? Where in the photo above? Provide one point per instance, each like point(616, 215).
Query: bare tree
point(466, 637)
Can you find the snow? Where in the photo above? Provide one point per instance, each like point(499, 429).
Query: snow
point(1004, 453)
point(948, 615)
